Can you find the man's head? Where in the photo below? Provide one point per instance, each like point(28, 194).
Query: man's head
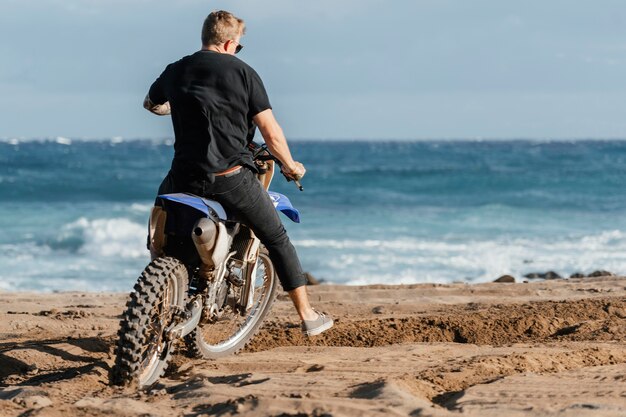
point(223, 30)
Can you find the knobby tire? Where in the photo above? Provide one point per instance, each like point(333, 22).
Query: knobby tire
point(142, 351)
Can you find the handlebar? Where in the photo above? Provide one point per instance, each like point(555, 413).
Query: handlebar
point(261, 152)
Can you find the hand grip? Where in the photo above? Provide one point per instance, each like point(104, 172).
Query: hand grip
point(296, 179)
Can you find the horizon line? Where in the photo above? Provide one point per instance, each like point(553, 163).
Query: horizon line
point(119, 139)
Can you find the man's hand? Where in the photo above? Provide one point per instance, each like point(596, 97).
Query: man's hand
point(158, 109)
point(295, 172)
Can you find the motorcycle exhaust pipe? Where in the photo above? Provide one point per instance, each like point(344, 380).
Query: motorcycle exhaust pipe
point(204, 236)
point(211, 240)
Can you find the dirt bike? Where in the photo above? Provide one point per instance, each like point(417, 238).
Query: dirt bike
point(210, 283)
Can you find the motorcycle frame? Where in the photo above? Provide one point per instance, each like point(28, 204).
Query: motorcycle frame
point(215, 274)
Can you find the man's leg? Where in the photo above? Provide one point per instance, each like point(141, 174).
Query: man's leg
point(313, 323)
point(254, 206)
point(300, 300)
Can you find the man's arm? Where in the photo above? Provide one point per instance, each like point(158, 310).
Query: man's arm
point(277, 143)
point(156, 100)
point(159, 109)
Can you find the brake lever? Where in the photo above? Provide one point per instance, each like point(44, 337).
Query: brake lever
point(295, 180)
point(289, 178)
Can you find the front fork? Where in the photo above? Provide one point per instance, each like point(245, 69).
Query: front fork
point(247, 292)
point(215, 282)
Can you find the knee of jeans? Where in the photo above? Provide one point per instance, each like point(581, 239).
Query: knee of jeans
point(276, 239)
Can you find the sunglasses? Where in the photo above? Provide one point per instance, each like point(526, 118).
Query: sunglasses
point(238, 48)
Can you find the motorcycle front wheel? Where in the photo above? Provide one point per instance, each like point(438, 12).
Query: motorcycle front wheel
point(143, 350)
point(231, 331)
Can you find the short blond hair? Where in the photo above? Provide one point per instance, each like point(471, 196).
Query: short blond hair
point(221, 26)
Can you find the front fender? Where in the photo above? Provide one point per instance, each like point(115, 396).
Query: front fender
point(282, 204)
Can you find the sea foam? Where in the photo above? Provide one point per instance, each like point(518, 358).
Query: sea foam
point(410, 260)
point(106, 237)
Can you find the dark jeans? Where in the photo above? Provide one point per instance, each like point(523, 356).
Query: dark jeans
point(244, 195)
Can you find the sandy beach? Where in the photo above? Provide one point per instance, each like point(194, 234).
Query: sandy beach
point(545, 348)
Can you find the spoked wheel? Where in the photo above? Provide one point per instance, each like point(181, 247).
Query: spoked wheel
point(229, 331)
point(143, 350)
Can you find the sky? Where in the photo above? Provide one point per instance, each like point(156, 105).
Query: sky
point(342, 69)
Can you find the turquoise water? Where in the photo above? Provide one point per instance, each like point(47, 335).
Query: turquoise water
point(73, 214)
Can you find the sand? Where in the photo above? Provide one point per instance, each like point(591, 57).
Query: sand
point(547, 348)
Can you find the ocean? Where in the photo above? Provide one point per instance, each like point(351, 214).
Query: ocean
point(73, 213)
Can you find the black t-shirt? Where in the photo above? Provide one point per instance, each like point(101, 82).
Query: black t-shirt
point(213, 98)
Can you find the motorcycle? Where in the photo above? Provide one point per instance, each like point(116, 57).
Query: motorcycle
point(210, 282)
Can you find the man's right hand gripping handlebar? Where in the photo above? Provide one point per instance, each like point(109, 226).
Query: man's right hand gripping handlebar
point(294, 173)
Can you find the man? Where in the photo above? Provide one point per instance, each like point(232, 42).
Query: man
point(215, 100)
